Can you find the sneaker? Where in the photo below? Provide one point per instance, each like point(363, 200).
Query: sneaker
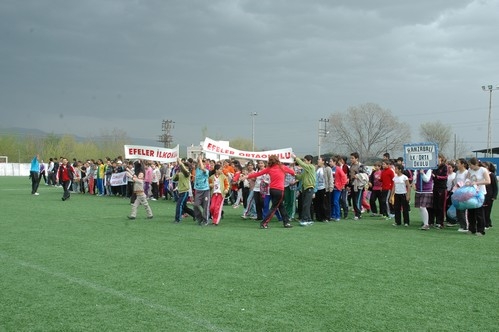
point(395, 225)
point(253, 217)
point(451, 225)
point(478, 234)
point(153, 199)
point(303, 223)
point(355, 218)
point(309, 223)
point(462, 230)
point(425, 227)
point(244, 216)
point(150, 217)
point(338, 219)
point(36, 194)
point(131, 218)
point(288, 225)
point(406, 225)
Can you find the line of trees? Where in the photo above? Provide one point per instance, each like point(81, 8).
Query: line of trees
point(371, 130)
point(23, 148)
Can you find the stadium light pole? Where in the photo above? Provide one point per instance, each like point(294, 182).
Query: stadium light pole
point(321, 133)
point(489, 88)
point(253, 114)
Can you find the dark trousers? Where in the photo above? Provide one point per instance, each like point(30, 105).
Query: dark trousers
point(182, 207)
point(401, 207)
point(258, 204)
point(376, 196)
point(35, 181)
point(307, 196)
point(383, 206)
point(277, 197)
point(487, 210)
point(327, 205)
point(66, 185)
point(357, 201)
point(319, 201)
point(439, 205)
point(476, 220)
point(461, 218)
point(343, 202)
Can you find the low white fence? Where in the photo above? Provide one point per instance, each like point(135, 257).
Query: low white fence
point(14, 169)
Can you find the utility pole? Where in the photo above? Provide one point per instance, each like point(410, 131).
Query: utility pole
point(166, 138)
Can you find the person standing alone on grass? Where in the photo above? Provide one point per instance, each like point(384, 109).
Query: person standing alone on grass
point(141, 198)
point(34, 175)
point(401, 195)
point(65, 174)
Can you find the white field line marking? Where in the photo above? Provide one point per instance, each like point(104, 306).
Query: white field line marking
point(128, 297)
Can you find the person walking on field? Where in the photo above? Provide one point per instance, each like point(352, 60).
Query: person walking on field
point(138, 189)
point(277, 172)
point(34, 175)
point(219, 186)
point(65, 174)
point(183, 180)
point(201, 193)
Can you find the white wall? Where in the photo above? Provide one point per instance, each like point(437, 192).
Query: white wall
point(14, 169)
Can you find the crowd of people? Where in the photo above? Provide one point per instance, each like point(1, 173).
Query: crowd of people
point(303, 190)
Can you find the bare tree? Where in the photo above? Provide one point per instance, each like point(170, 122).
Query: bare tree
point(369, 130)
point(436, 132)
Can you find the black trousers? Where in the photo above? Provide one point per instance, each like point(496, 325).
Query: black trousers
point(35, 181)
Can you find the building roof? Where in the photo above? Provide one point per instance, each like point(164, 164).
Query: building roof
point(494, 150)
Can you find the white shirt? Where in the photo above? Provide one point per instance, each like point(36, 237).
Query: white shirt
point(400, 185)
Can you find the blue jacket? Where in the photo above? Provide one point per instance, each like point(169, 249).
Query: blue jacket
point(35, 165)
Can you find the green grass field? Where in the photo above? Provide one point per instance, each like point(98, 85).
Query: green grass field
point(80, 265)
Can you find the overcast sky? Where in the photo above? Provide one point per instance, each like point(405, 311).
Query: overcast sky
point(83, 66)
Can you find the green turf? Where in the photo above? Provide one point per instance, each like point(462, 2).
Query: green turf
point(80, 265)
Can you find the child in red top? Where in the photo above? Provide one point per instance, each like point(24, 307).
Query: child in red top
point(277, 173)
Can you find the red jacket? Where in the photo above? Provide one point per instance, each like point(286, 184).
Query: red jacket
point(277, 174)
point(65, 173)
point(386, 179)
point(340, 178)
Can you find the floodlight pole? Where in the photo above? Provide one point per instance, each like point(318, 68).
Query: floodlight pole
point(321, 133)
point(489, 88)
point(253, 114)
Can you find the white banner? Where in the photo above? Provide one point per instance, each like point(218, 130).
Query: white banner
point(162, 155)
point(211, 146)
point(118, 179)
